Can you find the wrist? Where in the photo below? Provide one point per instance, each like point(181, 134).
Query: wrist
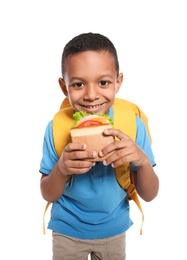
point(61, 170)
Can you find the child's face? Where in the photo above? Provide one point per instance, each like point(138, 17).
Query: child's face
point(90, 81)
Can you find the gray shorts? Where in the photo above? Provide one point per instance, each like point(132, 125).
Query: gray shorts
point(69, 248)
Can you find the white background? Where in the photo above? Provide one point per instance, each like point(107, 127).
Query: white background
point(151, 39)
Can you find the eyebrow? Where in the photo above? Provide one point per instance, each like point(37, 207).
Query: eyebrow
point(100, 76)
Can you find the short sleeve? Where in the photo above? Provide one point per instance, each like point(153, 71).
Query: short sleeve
point(143, 141)
point(49, 156)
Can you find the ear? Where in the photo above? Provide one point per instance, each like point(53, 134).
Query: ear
point(119, 82)
point(63, 86)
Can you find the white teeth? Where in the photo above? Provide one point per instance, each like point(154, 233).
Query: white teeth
point(91, 107)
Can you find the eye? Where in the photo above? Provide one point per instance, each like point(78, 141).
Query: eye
point(78, 84)
point(103, 83)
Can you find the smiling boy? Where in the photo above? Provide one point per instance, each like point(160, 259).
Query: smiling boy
point(90, 212)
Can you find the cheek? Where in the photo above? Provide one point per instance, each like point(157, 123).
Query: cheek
point(74, 96)
point(110, 92)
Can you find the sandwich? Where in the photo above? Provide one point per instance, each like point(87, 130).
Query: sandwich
point(88, 129)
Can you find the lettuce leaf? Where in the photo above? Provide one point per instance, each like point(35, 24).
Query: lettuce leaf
point(77, 116)
point(106, 116)
point(80, 114)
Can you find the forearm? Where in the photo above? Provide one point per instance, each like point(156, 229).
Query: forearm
point(52, 185)
point(147, 182)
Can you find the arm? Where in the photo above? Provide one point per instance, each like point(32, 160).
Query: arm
point(126, 150)
point(52, 185)
point(70, 162)
point(147, 182)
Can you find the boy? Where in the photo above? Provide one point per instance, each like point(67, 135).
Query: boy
point(90, 212)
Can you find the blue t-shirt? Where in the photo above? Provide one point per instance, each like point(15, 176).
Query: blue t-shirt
point(93, 204)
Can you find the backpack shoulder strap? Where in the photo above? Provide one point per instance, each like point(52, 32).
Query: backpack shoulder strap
point(62, 123)
point(125, 113)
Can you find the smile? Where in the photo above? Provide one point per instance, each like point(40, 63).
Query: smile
point(93, 107)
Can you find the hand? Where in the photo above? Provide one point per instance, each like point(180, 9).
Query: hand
point(124, 150)
point(75, 160)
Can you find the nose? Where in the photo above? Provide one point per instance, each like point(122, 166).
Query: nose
point(91, 92)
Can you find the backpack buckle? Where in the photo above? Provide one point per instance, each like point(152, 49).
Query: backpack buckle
point(130, 190)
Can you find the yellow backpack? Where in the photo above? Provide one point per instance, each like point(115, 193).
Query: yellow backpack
point(125, 113)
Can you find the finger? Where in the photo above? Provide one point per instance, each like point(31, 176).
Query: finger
point(119, 156)
point(115, 146)
point(79, 167)
point(81, 164)
point(75, 146)
point(118, 162)
point(81, 155)
point(115, 133)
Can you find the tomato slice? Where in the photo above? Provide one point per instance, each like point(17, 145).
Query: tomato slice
point(90, 123)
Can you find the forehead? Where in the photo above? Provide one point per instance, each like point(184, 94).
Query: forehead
point(90, 60)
